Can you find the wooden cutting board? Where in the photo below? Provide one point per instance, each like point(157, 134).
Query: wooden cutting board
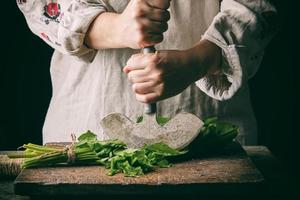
point(230, 172)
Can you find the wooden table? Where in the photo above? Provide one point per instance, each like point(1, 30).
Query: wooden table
point(203, 180)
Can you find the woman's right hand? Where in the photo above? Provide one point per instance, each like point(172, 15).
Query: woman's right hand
point(141, 24)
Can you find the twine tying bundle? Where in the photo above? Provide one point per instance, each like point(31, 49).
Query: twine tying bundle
point(10, 167)
point(70, 150)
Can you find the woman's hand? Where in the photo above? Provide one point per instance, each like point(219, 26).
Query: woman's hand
point(167, 73)
point(141, 24)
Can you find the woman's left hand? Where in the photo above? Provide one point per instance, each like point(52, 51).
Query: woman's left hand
point(160, 75)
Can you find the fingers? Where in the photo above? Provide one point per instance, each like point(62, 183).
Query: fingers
point(143, 9)
point(143, 87)
point(150, 26)
point(143, 23)
point(161, 4)
point(149, 32)
point(150, 40)
point(138, 76)
point(152, 13)
point(136, 62)
point(146, 98)
point(158, 15)
point(152, 18)
point(146, 77)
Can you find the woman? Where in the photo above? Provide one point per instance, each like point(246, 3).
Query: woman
point(207, 51)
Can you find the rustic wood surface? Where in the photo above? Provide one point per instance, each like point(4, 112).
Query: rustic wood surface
point(260, 155)
point(230, 172)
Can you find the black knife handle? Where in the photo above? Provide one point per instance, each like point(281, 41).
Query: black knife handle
point(151, 107)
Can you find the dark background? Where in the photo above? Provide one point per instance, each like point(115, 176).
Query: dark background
point(25, 85)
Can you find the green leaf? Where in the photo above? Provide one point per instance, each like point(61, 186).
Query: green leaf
point(216, 134)
point(164, 163)
point(163, 149)
point(88, 136)
point(139, 119)
point(210, 120)
point(160, 120)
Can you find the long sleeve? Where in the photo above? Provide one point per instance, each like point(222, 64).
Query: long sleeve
point(242, 29)
point(62, 24)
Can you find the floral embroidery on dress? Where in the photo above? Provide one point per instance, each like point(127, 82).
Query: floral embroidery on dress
point(52, 11)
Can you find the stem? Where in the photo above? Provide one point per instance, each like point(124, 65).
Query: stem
point(40, 148)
